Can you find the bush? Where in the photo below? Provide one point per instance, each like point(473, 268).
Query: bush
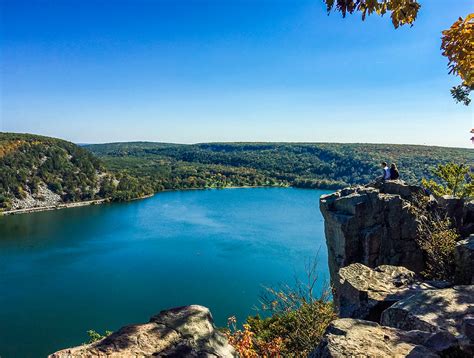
point(294, 329)
point(437, 239)
point(95, 336)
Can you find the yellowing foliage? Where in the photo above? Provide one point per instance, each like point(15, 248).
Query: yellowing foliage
point(248, 346)
point(9, 146)
point(458, 46)
point(402, 11)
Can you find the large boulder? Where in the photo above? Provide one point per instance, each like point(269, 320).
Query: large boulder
point(468, 219)
point(464, 259)
point(348, 337)
point(398, 187)
point(373, 226)
point(180, 332)
point(362, 292)
point(443, 310)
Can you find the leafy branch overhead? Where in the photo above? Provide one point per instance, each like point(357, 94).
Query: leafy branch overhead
point(402, 11)
point(458, 46)
point(457, 42)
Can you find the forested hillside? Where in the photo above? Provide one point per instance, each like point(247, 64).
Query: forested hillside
point(311, 165)
point(42, 171)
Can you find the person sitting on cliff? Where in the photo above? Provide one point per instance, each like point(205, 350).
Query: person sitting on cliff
point(386, 172)
point(394, 173)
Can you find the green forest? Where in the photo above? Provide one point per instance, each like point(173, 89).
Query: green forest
point(304, 165)
point(125, 171)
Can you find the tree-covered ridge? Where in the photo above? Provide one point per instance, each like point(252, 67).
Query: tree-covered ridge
point(323, 165)
point(33, 167)
point(30, 161)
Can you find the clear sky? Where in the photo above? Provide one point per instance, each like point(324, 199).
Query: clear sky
point(198, 71)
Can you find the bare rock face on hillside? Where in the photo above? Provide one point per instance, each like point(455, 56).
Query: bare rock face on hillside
point(372, 225)
point(44, 197)
point(179, 332)
point(362, 292)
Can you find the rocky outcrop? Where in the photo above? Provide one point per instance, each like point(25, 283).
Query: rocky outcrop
point(180, 332)
point(464, 256)
point(362, 292)
point(468, 219)
point(449, 310)
point(357, 338)
point(459, 211)
point(372, 225)
point(374, 260)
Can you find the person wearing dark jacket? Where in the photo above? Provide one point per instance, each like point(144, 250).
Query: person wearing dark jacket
point(394, 174)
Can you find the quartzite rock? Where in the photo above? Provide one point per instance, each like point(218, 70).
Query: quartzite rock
point(362, 292)
point(449, 310)
point(180, 332)
point(372, 226)
point(348, 337)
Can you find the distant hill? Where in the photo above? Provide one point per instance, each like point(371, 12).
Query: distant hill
point(39, 171)
point(310, 165)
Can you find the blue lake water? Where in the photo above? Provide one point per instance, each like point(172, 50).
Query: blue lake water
point(101, 267)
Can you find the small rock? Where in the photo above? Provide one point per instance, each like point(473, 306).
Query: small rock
point(468, 327)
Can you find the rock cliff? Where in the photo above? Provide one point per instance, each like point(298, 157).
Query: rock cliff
point(386, 308)
point(372, 226)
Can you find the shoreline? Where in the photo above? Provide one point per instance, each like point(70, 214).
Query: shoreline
point(102, 201)
point(54, 207)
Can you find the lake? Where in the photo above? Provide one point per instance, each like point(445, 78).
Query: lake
point(101, 267)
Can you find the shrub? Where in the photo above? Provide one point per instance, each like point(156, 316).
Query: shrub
point(437, 238)
point(296, 325)
point(95, 336)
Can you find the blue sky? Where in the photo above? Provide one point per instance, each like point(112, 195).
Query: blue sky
point(197, 71)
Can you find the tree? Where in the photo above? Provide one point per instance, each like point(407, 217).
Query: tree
point(457, 42)
point(453, 179)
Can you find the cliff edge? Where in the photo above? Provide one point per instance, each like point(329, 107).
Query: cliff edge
point(385, 306)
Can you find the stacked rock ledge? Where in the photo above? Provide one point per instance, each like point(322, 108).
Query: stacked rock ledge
point(386, 309)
